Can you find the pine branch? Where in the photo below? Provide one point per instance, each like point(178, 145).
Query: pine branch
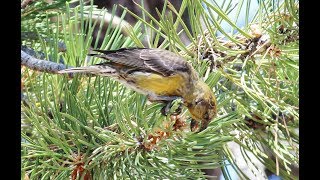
point(41, 65)
point(95, 127)
point(28, 60)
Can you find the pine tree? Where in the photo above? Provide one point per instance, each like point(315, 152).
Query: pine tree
point(95, 128)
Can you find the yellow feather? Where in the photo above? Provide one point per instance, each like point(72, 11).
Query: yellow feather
point(160, 85)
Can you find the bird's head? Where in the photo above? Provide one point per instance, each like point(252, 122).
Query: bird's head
point(203, 106)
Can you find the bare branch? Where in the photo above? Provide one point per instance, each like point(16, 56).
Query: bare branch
point(40, 65)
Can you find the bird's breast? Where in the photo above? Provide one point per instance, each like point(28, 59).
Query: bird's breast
point(157, 84)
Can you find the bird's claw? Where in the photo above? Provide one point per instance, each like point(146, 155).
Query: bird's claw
point(167, 108)
point(178, 110)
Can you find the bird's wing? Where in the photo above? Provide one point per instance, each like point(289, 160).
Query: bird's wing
point(157, 60)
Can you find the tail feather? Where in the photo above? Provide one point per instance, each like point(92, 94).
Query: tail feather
point(75, 70)
point(97, 55)
point(98, 70)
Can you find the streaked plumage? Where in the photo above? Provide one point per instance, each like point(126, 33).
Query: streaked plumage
point(159, 74)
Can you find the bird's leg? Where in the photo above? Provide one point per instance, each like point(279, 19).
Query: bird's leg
point(179, 109)
point(168, 101)
point(166, 108)
point(155, 98)
point(175, 105)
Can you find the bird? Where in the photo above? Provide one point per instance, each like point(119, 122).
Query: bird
point(161, 75)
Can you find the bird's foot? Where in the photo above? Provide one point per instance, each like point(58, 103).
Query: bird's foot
point(175, 105)
point(155, 98)
point(166, 109)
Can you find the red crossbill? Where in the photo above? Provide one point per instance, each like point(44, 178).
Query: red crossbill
point(161, 75)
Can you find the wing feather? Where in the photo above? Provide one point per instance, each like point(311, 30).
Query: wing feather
point(155, 60)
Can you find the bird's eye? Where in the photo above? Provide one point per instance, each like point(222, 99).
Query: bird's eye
point(198, 101)
point(211, 104)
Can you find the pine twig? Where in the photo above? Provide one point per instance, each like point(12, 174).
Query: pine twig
point(31, 62)
point(41, 65)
